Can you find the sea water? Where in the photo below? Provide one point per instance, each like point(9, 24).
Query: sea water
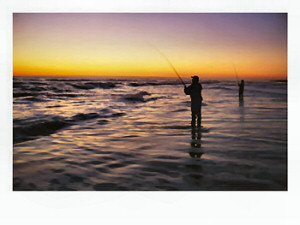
point(134, 134)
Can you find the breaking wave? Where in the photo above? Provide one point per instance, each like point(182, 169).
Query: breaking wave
point(43, 128)
point(138, 97)
point(28, 130)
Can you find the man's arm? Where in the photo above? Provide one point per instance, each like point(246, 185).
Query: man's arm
point(187, 90)
point(201, 92)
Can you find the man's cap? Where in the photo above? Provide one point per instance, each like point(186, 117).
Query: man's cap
point(195, 77)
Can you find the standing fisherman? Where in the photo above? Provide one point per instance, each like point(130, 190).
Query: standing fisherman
point(241, 89)
point(194, 90)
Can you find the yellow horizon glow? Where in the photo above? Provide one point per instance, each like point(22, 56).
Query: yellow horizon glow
point(63, 50)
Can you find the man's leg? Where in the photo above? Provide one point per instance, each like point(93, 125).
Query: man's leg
point(193, 122)
point(199, 117)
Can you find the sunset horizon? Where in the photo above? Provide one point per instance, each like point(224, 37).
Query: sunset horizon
point(209, 45)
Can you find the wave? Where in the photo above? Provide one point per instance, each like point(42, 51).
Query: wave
point(59, 90)
point(37, 83)
point(25, 130)
point(92, 85)
point(104, 85)
point(25, 91)
point(86, 116)
point(157, 83)
point(69, 95)
point(53, 106)
point(180, 110)
point(274, 92)
point(29, 86)
point(83, 86)
point(23, 94)
point(18, 84)
point(210, 82)
point(135, 84)
point(64, 80)
point(37, 89)
point(138, 97)
point(281, 81)
point(222, 88)
point(36, 99)
point(105, 113)
point(118, 114)
point(44, 128)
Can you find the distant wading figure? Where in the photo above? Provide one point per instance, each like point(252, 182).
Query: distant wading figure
point(194, 90)
point(241, 89)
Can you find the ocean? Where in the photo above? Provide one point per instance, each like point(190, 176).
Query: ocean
point(117, 134)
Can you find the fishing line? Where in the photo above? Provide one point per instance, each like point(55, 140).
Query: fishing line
point(170, 64)
point(237, 79)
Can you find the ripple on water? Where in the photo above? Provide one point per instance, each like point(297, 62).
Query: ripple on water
point(116, 165)
point(102, 169)
point(160, 171)
point(58, 170)
point(167, 157)
point(95, 162)
point(108, 158)
point(73, 178)
point(123, 155)
point(148, 148)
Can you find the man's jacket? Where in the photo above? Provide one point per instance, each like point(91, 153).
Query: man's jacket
point(194, 90)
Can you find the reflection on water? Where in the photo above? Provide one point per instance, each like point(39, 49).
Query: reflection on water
point(196, 137)
point(135, 135)
point(241, 102)
point(196, 143)
point(241, 109)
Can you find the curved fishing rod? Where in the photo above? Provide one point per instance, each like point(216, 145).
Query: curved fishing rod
point(237, 79)
point(170, 64)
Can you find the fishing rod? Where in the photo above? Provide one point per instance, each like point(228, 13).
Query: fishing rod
point(170, 64)
point(236, 76)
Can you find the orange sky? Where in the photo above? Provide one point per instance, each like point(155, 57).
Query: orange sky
point(118, 44)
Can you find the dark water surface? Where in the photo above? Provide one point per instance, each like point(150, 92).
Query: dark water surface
point(134, 134)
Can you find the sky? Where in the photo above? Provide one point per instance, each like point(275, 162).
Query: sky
point(210, 45)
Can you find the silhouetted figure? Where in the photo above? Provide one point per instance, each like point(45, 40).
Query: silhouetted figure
point(241, 89)
point(194, 90)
